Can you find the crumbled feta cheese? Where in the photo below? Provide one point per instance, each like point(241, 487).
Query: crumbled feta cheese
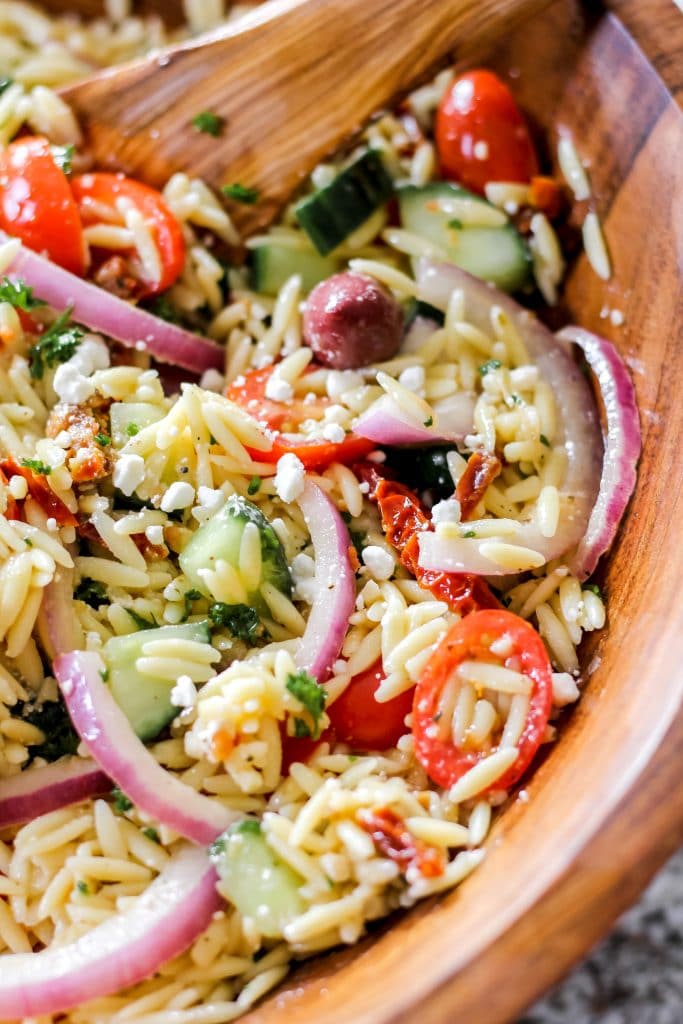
point(481, 150)
point(565, 690)
point(290, 477)
point(303, 575)
point(51, 525)
point(279, 390)
point(92, 354)
point(616, 318)
point(378, 561)
point(184, 693)
point(340, 381)
point(336, 414)
point(179, 495)
point(71, 386)
point(18, 487)
point(210, 498)
point(447, 511)
point(129, 472)
point(413, 378)
point(155, 534)
point(364, 487)
point(502, 646)
point(333, 432)
point(212, 380)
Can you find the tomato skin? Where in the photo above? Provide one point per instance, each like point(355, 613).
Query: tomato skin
point(39, 490)
point(104, 189)
point(37, 205)
point(470, 639)
point(359, 720)
point(284, 418)
point(479, 108)
point(303, 749)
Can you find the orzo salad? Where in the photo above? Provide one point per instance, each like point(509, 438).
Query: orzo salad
point(295, 546)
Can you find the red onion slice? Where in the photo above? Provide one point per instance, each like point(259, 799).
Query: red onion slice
point(329, 619)
point(386, 422)
point(39, 790)
point(101, 311)
point(58, 626)
point(622, 446)
point(161, 924)
point(578, 429)
point(107, 734)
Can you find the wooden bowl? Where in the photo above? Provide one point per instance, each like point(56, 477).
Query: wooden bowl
point(605, 808)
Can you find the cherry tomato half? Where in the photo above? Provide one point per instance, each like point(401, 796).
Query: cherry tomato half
point(471, 639)
point(481, 135)
point(93, 192)
point(284, 419)
point(37, 205)
point(359, 720)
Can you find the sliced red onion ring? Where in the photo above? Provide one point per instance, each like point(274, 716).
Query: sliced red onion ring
point(39, 790)
point(622, 446)
point(128, 947)
point(58, 626)
point(107, 734)
point(329, 619)
point(386, 422)
point(101, 311)
point(578, 429)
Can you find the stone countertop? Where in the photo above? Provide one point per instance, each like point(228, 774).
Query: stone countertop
point(636, 975)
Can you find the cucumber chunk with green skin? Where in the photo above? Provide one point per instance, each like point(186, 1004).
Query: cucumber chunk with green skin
point(495, 254)
point(129, 418)
point(253, 878)
point(221, 538)
point(146, 701)
point(272, 265)
point(334, 212)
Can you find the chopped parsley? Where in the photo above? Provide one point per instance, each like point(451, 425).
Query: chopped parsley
point(41, 468)
point(52, 718)
point(595, 589)
point(254, 485)
point(455, 223)
point(310, 694)
point(152, 834)
point(132, 429)
point(92, 592)
point(19, 294)
point(302, 730)
point(63, 157)
point(489, 365)
point(189, 596)
point(5, 83)
point(104, 675)
point(470, 533)
point(209, 123)
point(242, 620)
point(240, 193)
point(121, 801)
point(164, 309)
point(544, 440)
point(57, 344)
point(103, 439)
point(429, 422)
point(83, 888)
point(140, 621)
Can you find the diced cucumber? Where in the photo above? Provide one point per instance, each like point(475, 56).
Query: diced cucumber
point(128, 418)
point(146, 701)
point(334, 212)
point(221, 538)
point(496, 254)
point(272, 265)
point(253, 878)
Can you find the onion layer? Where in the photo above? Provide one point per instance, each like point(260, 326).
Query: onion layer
point(107, 733)
point(622, 446)
point(577, 432)
point(329, 619)
point(130, 946)
point(385, 422)
point(101, 311)
point(39, 790)
point(58, 625)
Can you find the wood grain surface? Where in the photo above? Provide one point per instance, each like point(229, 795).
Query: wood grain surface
point(291, 80)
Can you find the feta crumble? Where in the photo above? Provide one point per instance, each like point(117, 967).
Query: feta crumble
point(447, 511)
point(279, 390)
point(290, 478)
point(413, 378)
point(184, 693)
point(129, 472)
point(378, 561)
point(341, 381)
point(333, 432)
point(179, 495)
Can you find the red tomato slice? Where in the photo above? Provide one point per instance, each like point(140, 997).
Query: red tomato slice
point(359, 720)
point(40, 491)
point(284, 419)
point(470, 640)
point(481, 135)
point(94, 191)
point(36, 203)
point(301, 749)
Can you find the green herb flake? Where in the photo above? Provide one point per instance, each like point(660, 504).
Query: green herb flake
point(56, 345)
point(52, 718)
point(28, 542)
point(83, 888)
point(5, 82)
point(470, 533)
point(302, 730)
point(209, 123)
point(595, 589)
point(92, 592)
point(429, 422)
point(544, 440)
point(140, 621)
point(103, 440)
point(254, 485)
point(152, 834)
point(121, 801)
point(489, 365)
point(104, 675)
point(310, 694)
point(132, 429)
point(164, 309)
point(63, 157)
point(240, 619)
point(455, 223)
point(19, 294)
point(41, 468)
point(240, 193)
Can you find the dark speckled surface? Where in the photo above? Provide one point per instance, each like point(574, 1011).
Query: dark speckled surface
point(636, 975)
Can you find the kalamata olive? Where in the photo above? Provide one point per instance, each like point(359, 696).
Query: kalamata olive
point(350, 320)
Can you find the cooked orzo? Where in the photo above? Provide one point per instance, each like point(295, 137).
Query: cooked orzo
point(294, 550)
